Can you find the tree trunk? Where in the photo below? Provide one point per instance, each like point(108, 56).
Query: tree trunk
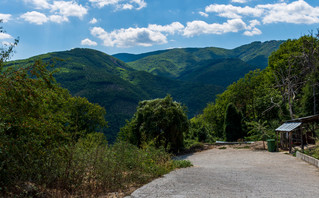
point(314, 99)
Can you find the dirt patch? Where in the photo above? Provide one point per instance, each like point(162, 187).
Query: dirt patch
point(234, 172)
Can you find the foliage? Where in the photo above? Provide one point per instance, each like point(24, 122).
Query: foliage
point(158, 122)
point(313, 152)
point(258, 131)
point(182, 163)
point(233, 124)
point(286, 89)
point(294, 66)
point(37, 119)
point(49, 146)
point(199, 131)
point(6, 50)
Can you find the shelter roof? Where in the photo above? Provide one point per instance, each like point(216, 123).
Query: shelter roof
point(307, 119)
point(288, 126)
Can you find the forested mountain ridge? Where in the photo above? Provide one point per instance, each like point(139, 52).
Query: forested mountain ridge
point(174, 63)
point(118, 87)
point(111, 83)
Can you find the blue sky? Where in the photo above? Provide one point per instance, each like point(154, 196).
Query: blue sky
point(137, 26)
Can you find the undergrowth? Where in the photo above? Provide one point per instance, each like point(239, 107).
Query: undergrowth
point(89, 168)
point(313, 152)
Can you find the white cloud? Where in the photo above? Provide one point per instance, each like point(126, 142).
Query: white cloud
point(69, 8)
point(201, 27)
point(5, 17)
point(88, 42)
point(121, 4)
point(254, 31)
point(129, 37)
point(230, 11)
point(297, 12)
point(58, 19)
point(39, 4)
point(93, 21)
point(171, 29)
point(146, 36)
point(35, 17)
point(5, 36)
point(141, 3)
point(203, 14)
point(239, 1)
point(125, 6)
point(60, 11)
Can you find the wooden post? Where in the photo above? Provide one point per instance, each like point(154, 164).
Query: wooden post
point(290, 142)
point(301, 133)
point(277, 149)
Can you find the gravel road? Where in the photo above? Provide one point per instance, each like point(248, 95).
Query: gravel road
point(236, 173)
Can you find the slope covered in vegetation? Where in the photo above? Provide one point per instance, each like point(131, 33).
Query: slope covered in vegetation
point(176, 62)
point(109, 82)
point(286, 89)
point(51, 143)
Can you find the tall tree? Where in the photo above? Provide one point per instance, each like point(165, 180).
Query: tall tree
point(6, 49)
point(294, 65)
point(310, 57)
point(233, 124)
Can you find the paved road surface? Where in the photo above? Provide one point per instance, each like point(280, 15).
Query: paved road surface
point(237, 173)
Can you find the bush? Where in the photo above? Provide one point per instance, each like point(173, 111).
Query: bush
point(159, 123)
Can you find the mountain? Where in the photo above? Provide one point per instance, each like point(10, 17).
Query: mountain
point(111, 83)
point(126, 57)
point(193, 76)
point(174, 63)
point(219, 72)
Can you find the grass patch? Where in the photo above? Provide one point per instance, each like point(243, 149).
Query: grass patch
point(182, 163)
point(242, 147)
point(313, 152)
point(223, 147)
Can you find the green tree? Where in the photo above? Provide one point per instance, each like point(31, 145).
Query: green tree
point(233, 126)
point(158, 122)
point(6, 49)
point(37, 119)
point(258, 130)
point(200, 131)
point(293, 66)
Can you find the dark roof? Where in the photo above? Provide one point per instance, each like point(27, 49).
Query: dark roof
point(307, 119)
point(288, 126)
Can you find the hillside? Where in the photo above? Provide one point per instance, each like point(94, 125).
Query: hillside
point(109, 82)
point(193, 76)
point(176, 62)
point(219, 72)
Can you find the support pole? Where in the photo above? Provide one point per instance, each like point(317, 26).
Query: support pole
point(277, 149)
point(301, 134)
point(290, 142)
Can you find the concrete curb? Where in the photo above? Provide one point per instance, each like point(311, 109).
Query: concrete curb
point(307, 159)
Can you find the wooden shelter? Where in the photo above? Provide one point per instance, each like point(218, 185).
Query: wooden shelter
point(298, 131)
